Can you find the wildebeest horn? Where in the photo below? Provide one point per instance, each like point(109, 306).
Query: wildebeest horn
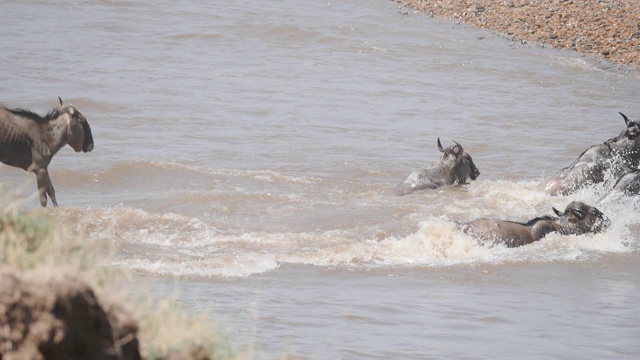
point(61, 101)
point(626, 119)
point(558, 212)
point(440, 146)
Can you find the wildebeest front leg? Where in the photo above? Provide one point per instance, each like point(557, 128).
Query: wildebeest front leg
point(51, 191)
point(45, 187)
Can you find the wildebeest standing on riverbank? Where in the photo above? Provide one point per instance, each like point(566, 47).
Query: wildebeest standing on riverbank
point(454, 167)
point(29, 141)
point(599, 163)
point(578, 218)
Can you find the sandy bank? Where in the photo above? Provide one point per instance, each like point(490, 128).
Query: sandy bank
point(610, 28)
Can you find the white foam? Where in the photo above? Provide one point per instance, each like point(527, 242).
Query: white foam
point(230, 265)
point(179, 245)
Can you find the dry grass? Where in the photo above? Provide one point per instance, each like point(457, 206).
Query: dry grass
point(173, 333)
point(30, 243)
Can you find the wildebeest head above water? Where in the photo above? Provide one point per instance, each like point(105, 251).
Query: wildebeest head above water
point(80, 137)
point(454, 167)
point(29, 141)
point(578, 218)
point(602, 163)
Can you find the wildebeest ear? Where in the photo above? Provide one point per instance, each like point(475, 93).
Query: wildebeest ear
point(578, 213)
point(632, 127)
point(60, 100)
point(440, 146)
point(72, 110)
point(558, 212)
point(456, 149)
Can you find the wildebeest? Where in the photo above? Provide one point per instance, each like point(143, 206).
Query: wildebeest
point(627, 185)
point(29, 141)
point(578, 218)
point(454, 167)
point(605, 162)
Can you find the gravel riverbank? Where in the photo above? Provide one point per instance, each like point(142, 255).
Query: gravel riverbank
point(610, 28)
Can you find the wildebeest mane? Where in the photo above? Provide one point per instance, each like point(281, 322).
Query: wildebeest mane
point(622, 135)
point(577, 160)
point(33, 116)
point(608, 143)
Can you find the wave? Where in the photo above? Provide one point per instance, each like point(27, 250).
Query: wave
point(148, 168)
point(177, 245)
point(191, 220)
point(179, 37)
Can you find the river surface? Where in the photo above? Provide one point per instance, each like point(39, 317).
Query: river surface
point(243, 150)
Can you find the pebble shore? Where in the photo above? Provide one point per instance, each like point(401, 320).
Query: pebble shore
point(610, 28)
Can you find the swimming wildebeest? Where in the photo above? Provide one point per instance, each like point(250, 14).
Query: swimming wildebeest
point(29, 141)
point(578, 218)
point(454, 167)
point(605, 162)
point(627, 185)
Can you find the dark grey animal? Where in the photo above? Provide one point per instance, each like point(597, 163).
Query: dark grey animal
point(605, 162)
point(627, 185)
point(454, 167)
point(578, 218)
point(29, 141)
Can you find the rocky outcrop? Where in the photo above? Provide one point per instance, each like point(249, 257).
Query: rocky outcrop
point(45, 316)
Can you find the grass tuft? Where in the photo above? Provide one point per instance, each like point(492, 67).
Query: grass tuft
point(31, 243)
